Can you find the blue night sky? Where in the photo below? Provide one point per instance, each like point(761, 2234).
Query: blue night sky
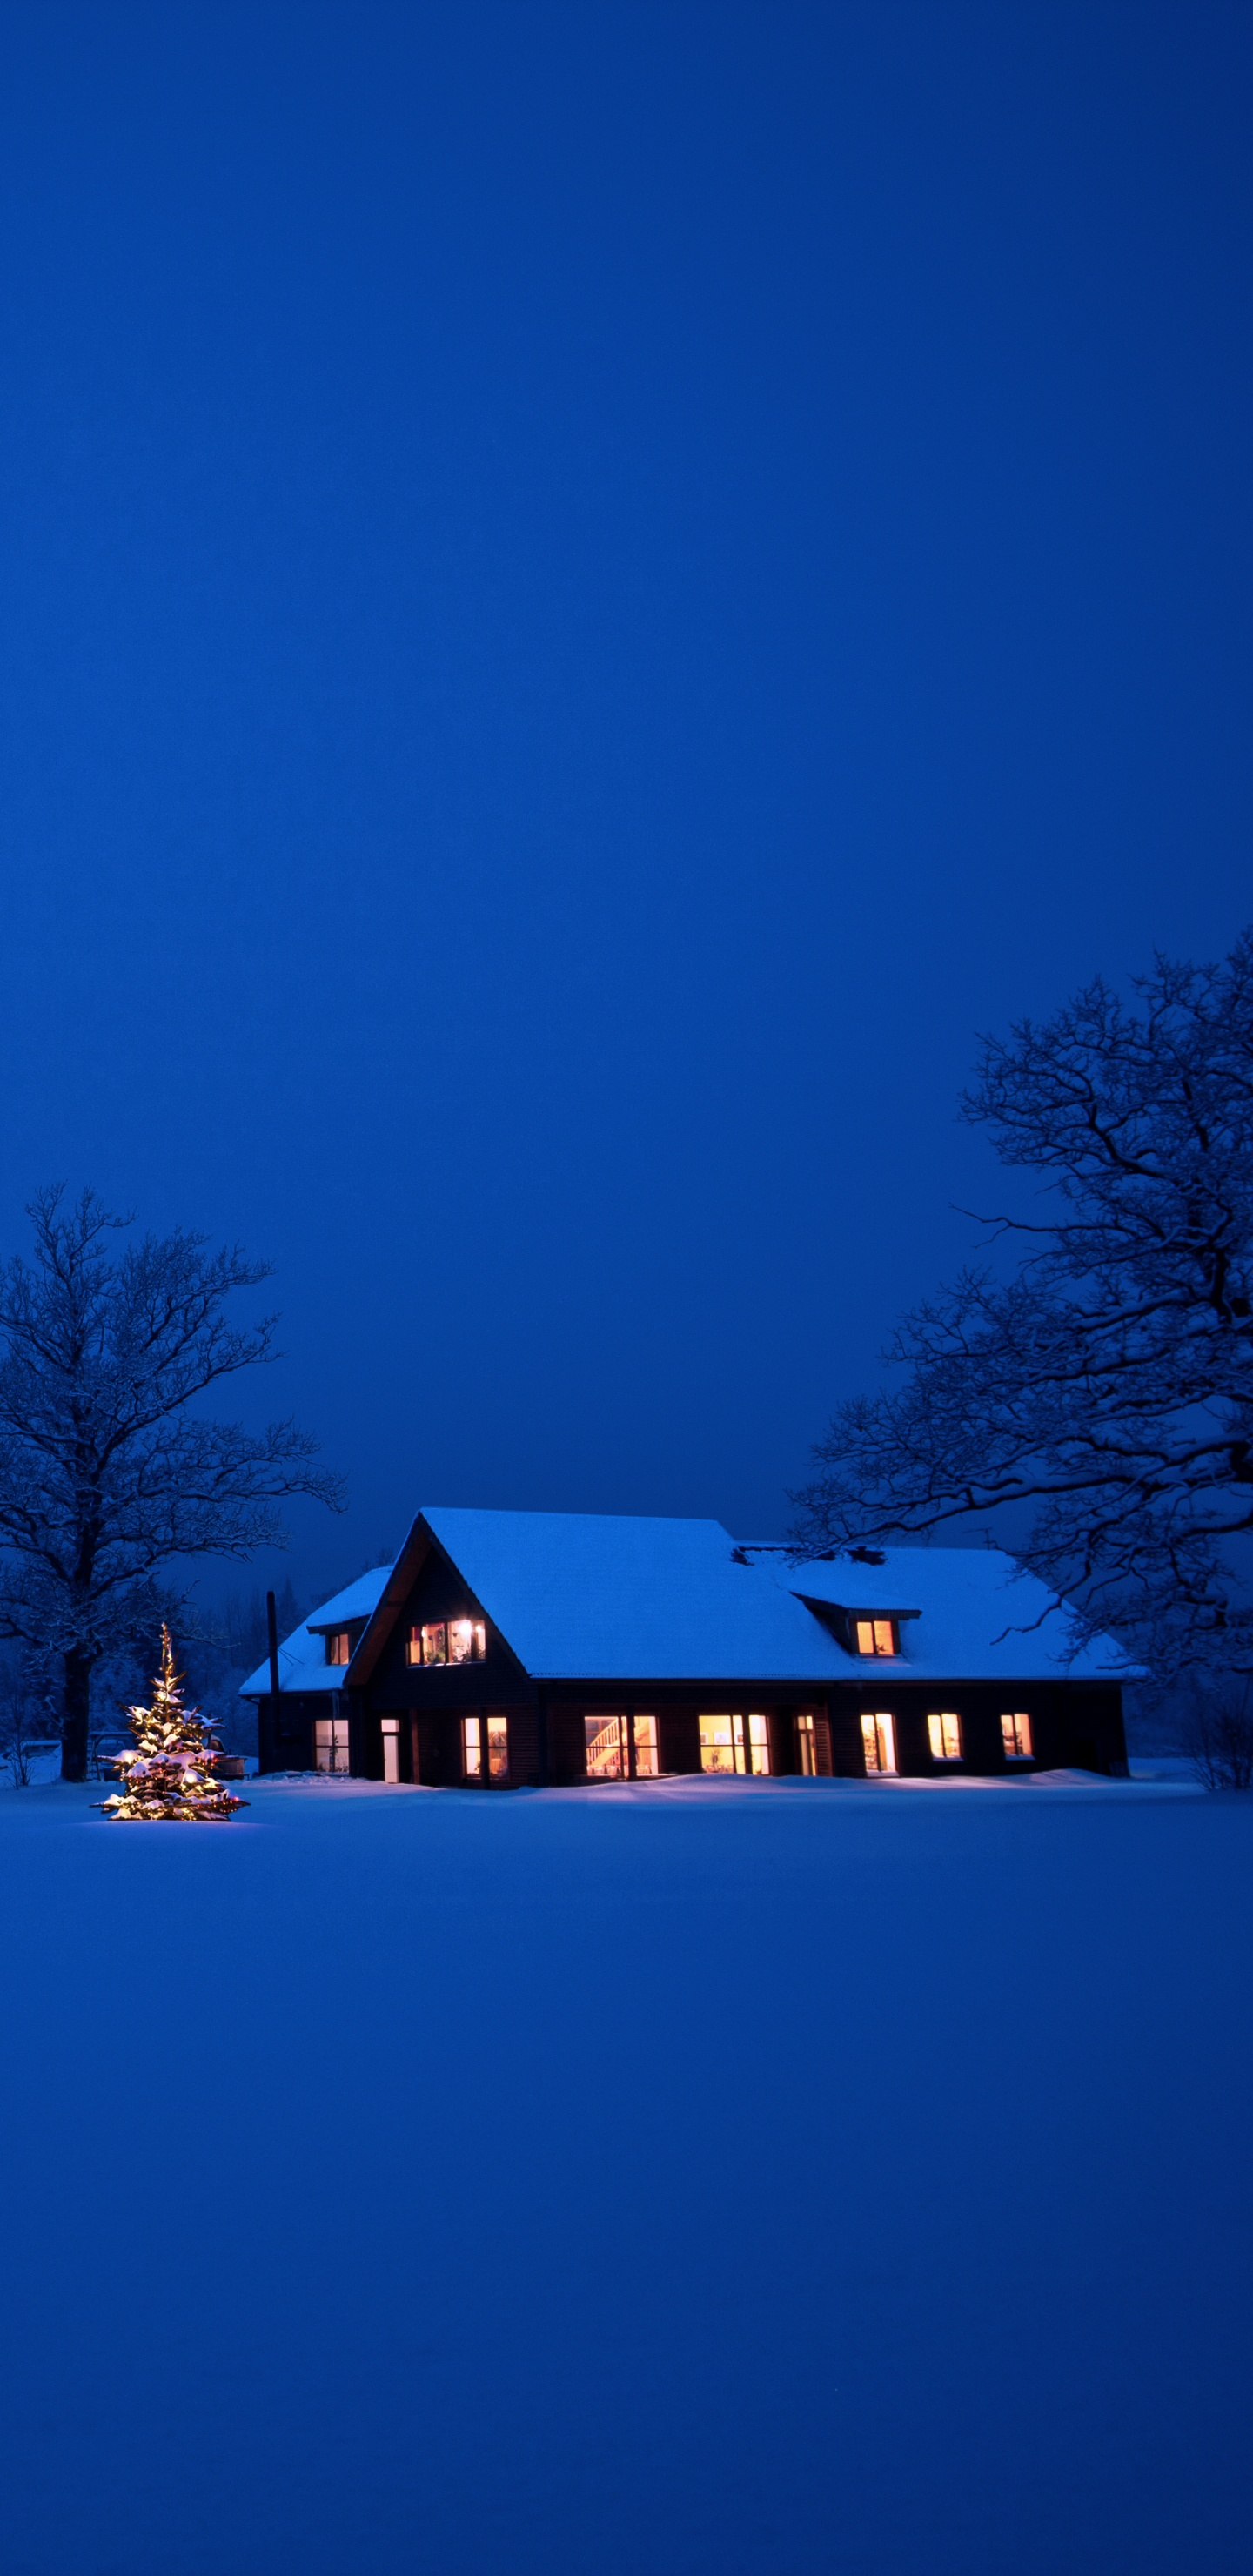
point(588, 592)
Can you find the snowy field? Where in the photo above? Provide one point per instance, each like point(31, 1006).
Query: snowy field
point(705, 2179)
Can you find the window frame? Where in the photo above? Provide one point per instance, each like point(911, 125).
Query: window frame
point(1016, 1752)
point(939, 1721)
point(419, 1660)
point(872, 1621)
point(878, 1719)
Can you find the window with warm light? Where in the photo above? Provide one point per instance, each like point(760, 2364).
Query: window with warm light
point(391, 1748)
point(339, 1645)
point(806, 1746)
point(875, 1636)
point(621, 1748)
point(1016, 1736)
point(878, 1736)
point(735, 1743)
point(945, 1732)
point(330, 1743)
point(485, 1736)
point(448, 1641)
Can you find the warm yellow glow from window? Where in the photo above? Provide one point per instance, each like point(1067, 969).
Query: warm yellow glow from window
point(391, 1747)
point(1016, 1734)
point(945, 1732)
point(806, 1746)
point(878, 1735)
point(607, 1747)
point(875, 1636)
point(471, 1749)
point(330, 1743)
point(448, 1641)
point(497, 1747)
point(337, 1646)
point(735, 1743)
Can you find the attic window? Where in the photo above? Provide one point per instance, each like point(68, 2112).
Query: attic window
point(448, 1641)
point(338, 1645)
point(875, 1636)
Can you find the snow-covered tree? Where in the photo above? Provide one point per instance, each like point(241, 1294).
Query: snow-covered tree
point(1108, 1384)
point(106, 1478)
point(169, 1772)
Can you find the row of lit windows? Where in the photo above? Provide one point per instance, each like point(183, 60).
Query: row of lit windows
point(944, 1734)
point(626, 1747)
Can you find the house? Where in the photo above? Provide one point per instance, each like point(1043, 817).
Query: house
point(527, 1649)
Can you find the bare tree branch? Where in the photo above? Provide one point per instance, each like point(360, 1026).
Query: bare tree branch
point(1109, 1384)
point(105, 1477)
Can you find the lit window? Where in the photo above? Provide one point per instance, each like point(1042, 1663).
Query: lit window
point(1016, 1733)
point(735, 1743)
point(609, 1743)
point(497, 1747)
point(875, 1636)
point(448, 1641)
point(330, 1743)
point(806, 1746)
point(878, 1735)
point(391, 1747)
point(338, 1646)
point(945, 1732)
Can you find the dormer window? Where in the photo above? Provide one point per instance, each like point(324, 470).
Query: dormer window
point(875, 1636)
point(448, 1641)
point(338, 1645)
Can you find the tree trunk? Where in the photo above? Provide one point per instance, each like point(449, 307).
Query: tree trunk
point(76, 1711)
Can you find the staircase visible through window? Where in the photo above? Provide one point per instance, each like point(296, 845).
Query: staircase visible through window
point(621, 1747)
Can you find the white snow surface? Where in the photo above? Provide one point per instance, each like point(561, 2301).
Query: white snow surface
point(709, 2178)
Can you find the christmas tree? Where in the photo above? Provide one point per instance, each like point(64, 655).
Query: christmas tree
point(170, 1771)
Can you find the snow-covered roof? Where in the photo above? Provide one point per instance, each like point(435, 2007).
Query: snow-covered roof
point(968, 1613)
point(580, 1596)
point(302, 1664)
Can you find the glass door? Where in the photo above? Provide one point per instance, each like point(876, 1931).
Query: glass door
point(878, 1735)
point(621, 1747)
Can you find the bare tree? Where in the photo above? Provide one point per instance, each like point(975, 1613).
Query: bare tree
point(1109, 1382)
point(106, 1479)
point(1218, 1736)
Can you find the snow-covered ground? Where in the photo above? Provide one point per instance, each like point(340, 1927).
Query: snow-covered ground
point(706, 2179)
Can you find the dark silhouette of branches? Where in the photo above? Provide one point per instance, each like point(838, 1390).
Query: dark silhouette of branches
point(1109, 1382)
point(106, 1478)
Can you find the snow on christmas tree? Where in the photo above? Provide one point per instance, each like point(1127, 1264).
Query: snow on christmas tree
point(170, 1771)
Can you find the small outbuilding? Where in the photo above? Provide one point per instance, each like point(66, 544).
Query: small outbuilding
point(531, 1649)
